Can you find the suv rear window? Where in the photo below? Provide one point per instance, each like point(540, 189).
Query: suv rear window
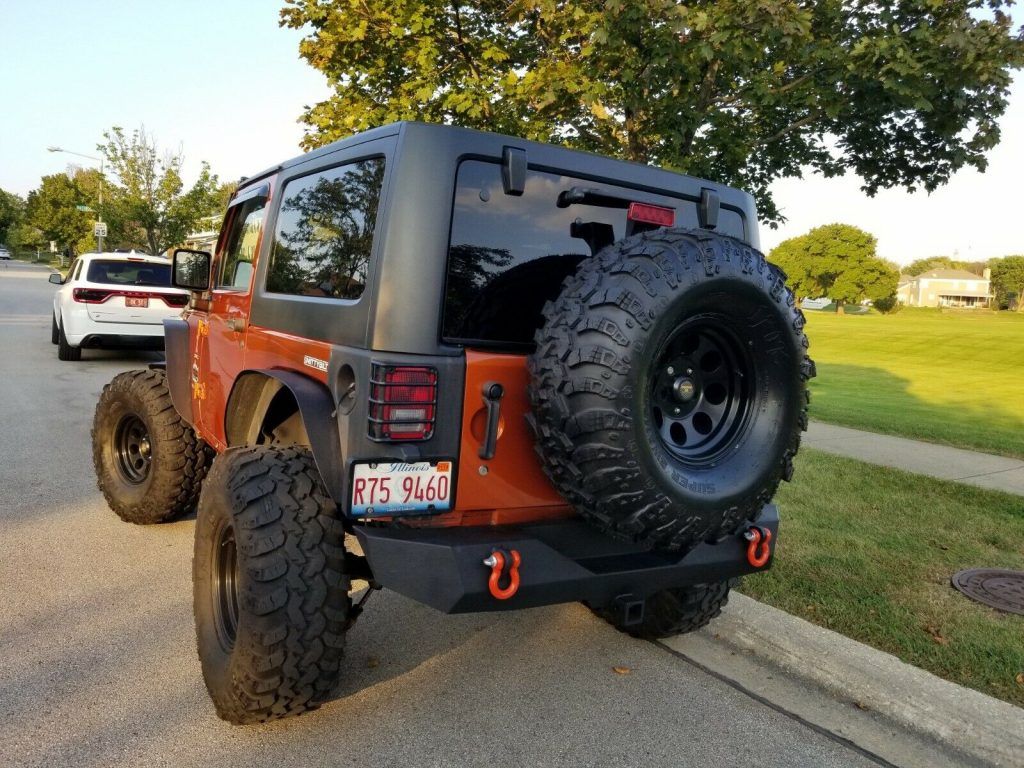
point(508, 255)
point(129, 273)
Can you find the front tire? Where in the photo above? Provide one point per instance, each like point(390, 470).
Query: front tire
point(65, 351)
point(149, 463)
point(674, 612)
point(54, 330)
point(269, 585)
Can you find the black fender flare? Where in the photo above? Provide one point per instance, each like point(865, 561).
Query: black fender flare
point(178, 362)
point(316, 407)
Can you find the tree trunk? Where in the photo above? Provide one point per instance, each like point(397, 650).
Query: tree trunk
point(839, 308)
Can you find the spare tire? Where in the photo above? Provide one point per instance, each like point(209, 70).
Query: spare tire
point(669, 387)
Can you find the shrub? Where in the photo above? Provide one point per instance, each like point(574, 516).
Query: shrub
point(887, 306)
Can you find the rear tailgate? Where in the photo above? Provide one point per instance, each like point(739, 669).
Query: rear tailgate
point(512, 478)
point(143, 306)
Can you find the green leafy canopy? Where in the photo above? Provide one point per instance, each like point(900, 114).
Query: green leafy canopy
point(52, 215)
point(903, 93)
point(1008, 280)
point(147, 203)
point(837, 261)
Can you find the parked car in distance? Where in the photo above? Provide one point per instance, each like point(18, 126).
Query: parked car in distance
point(113, 299)
point(5, 255)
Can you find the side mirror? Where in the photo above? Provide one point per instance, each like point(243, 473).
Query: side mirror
point(191, 269)
point(56, 279)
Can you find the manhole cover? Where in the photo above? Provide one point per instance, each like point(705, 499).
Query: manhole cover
point(1000, 589)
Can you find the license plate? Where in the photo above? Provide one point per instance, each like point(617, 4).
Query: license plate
point(388, 488)
point(136, 301)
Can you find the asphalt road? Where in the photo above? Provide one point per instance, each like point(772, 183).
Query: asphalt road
point(98, 664)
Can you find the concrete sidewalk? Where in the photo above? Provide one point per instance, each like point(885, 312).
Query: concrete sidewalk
point(984, 470)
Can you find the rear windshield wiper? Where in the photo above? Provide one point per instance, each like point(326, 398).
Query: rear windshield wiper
point(590, 196)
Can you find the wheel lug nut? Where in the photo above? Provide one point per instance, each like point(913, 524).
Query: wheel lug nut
point(689, 371)
point(675, 411)
point(670, 370)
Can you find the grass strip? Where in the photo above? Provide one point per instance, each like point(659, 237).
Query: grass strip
point(868, 552)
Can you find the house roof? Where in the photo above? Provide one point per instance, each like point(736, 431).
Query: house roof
point(950, 274)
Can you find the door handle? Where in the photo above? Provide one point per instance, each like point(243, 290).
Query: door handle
point(236, 324)
point(493, 392)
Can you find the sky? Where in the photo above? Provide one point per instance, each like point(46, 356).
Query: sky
point(221, 81)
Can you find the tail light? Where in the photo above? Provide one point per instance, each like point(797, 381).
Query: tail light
point(403, 402)
point(90, 295)
point(100, 295)
point(645, 213)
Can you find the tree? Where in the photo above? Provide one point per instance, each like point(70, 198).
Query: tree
point(52, 210)
point(1008, 280)
point(901, 92)
point(147, 191)
point(12, 213)
point(920, 266)
point(838, 261)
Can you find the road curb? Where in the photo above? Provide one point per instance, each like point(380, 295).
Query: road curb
point(980, 727)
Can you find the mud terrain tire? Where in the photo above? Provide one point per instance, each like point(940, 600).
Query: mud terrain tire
point(676, 611)
point(149, 463)
point(669, 387)
point(269, 585)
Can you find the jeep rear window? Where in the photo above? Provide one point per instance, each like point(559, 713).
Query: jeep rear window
point(324, 232)
point(129, 273)
point(508, 254)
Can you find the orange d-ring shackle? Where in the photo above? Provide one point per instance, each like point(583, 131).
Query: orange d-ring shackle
point(496, 562)
point(758, 550)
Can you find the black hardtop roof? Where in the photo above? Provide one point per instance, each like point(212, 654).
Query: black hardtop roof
point(405, 126)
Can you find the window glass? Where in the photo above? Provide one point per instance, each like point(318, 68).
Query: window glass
point(129, 273)
point(324, 232)
point(240, 249)
point(508, 254)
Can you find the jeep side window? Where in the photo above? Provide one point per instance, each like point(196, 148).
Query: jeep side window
point(240, 248)
point(324, 232)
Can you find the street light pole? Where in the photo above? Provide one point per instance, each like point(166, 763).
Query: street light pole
point(99, 213)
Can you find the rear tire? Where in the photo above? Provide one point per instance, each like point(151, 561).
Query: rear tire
point(269, 585)
point(669, 387)
point(54, 331)
point(149, 463)
point(676, 611)
point(65, 351)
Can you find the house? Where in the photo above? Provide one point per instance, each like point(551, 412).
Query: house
point(945, 288)
point(206, 238)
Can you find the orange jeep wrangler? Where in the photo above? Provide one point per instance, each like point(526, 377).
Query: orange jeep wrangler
point(517, 374)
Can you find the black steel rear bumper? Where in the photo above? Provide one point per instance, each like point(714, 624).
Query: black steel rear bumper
point(562, 562)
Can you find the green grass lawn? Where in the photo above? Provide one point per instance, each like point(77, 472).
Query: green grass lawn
point(953, 378)
point(868, 552)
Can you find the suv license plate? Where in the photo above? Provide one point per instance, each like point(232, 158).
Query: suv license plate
point(389, 488)
point(136, 301)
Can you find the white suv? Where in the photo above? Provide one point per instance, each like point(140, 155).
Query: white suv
point(113, 299)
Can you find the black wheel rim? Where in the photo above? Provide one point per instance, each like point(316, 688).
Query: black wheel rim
point(225, 588)
point(133, 451)
point(701, 388)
